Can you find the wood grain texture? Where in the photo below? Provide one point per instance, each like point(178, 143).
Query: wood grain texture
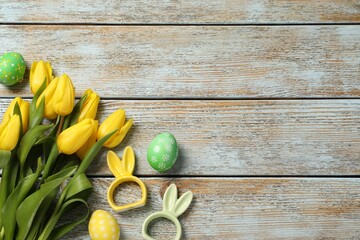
point(297, 137)
point(195, 62)
point(244, 208)
point(180, 11)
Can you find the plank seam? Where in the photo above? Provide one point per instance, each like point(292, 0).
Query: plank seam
point(234, 176)
point(210, 98)
point(181, 24)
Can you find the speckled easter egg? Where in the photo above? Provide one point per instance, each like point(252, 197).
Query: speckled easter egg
point(162, 152)
point(12, 68)
point(103, 226)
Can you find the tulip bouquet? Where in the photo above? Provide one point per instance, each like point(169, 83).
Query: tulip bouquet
point(41, 179)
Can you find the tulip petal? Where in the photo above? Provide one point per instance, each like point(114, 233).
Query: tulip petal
point(90, 105)
point(113, 122)
point(119, 135)
point(9, 133)
point(73, 138)
point(64, 96)
point(24, 109)
point(49, 72)
point(40, 74)
point(81, 153)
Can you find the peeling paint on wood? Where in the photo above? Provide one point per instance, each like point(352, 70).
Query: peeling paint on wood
point(195, 62)
point(294, 137)
point(246, 208)
point(181, 11)
point(117, 48)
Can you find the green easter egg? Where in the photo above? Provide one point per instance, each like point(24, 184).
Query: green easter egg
point(162, 152)
point(12, 68)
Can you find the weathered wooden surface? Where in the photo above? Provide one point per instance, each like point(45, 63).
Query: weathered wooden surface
point(180, 12)
point(258, 98)
point(195, 62)
point(293, 137)
point(245, 208)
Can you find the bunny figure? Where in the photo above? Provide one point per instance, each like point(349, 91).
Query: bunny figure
point(172, 209)
point(123, 170)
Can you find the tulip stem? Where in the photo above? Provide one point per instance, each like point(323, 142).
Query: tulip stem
point(62, 118)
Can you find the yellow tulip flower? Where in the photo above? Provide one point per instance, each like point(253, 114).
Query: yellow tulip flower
point(10, 132)
point(90, 105)
point(89, 143)
point(24, 109)
point(72, 139)
point(39, 72)
point(115, 121)
point(64, 96)
point(48, 94)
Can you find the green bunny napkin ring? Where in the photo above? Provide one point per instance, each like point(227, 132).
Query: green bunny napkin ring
point(172, 209)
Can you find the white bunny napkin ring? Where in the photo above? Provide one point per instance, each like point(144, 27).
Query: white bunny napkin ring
point(172, 209)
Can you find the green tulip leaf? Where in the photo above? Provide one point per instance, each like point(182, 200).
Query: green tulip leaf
point(36, 113)
point(15, 199)
point(29, 208)
point(74, 116)
point(65, 228)
point(5, 156)
point(55, 129)
point(8, 181)
point(62, 174)
point(44, 140)
point(82, 168)
point(54, 153)
point(80, 187)
point(63, 161)
point(78, 191)
point(41, 217)
point(28, 141)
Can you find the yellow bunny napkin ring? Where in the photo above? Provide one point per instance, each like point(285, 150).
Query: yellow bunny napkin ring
point(172, 209)
point(123, 170)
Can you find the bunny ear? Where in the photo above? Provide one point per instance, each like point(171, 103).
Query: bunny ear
point(170, 198)
point(128, 161)
point(183, 203)
point(114, 163)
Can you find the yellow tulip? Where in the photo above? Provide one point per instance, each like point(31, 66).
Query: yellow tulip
point(39, 72)
point(64, 96)
point(90, 105)
point(89, 143)
point(24, 109)
point(10, 132)
point(72, 139)
point(115, 121)
point(48, 94)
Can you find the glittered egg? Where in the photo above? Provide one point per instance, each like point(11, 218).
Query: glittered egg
point(162, 152)
point(103, 226)
point(12, 68)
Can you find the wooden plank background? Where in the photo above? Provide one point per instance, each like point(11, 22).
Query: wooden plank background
point(196, 62)
point(246, 208)
point(262, 96)
point(267, 137)
point(181, 11)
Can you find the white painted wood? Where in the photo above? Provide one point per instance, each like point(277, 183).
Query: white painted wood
point(244, 208)
point(195, 62)
point(294, 137)
point(180, 12)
